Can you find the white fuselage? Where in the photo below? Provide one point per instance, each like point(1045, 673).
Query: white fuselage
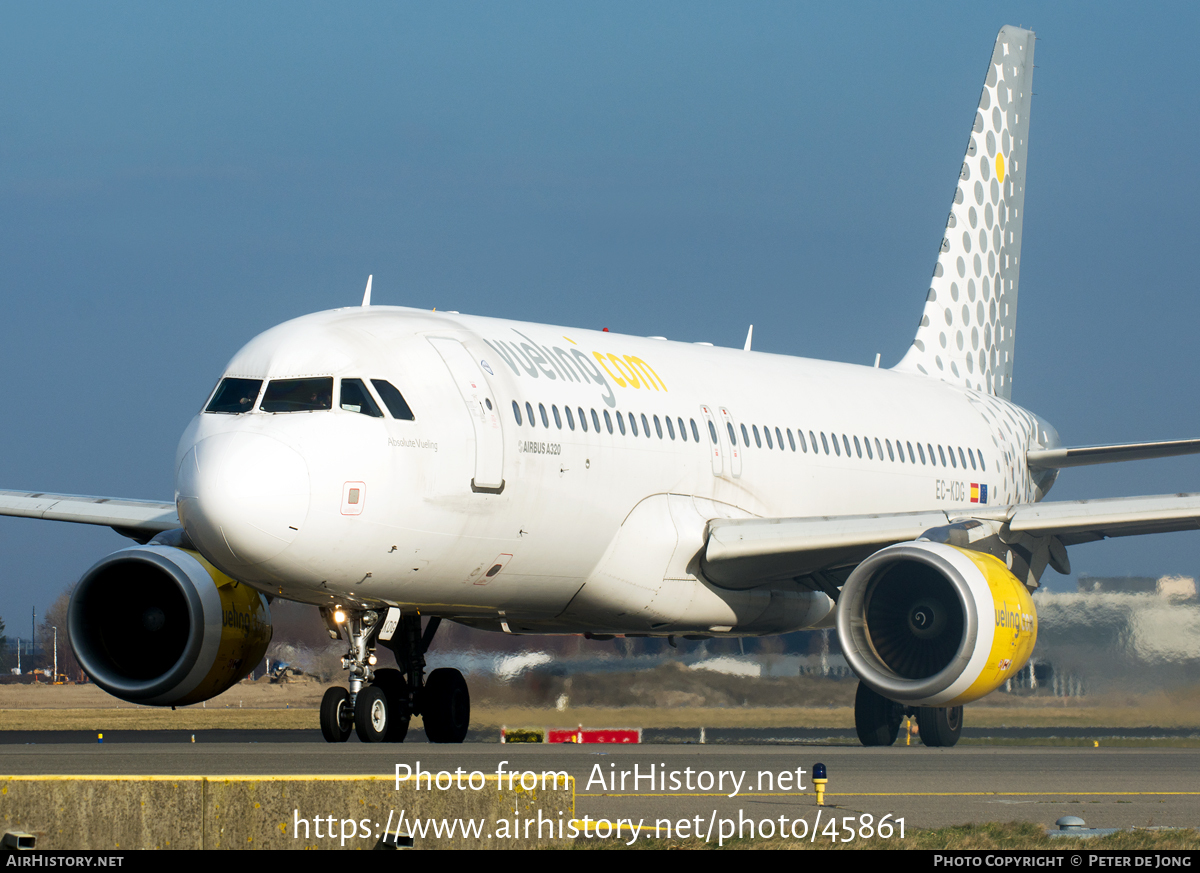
point(439, 501)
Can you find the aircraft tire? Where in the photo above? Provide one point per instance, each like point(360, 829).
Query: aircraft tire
point(335, 715)
point(372, 715)
point(446, 706)
point(940, 726)
point(394, 688)
point(876, 719)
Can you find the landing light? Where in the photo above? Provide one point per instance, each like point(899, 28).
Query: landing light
point(339, 616)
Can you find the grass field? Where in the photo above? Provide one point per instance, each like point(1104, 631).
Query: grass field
point(294, 706)
point(1014, 835)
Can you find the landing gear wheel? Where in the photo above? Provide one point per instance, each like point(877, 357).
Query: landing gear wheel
point(395, 689)
point(446, 706)
point(876, 719)
point(336, 720)
point(941, 726)
point(371, 715)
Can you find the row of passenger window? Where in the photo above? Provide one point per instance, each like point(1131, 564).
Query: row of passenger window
point(608, 421)
point(897, 453)
point(234, 396)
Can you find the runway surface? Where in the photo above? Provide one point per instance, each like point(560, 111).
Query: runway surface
point(1108, 787)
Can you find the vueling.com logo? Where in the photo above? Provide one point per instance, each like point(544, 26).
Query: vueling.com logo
point(574, 365)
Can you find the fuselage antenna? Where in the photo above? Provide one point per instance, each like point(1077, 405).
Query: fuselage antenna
point(367, 293)
point(749, 336)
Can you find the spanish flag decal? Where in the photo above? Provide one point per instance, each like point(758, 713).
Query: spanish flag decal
point(978, 493)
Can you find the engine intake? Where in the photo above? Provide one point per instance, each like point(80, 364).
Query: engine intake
point(159, 625)
point(930, 624)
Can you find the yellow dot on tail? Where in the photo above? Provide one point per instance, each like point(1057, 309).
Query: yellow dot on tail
point(1000, 168)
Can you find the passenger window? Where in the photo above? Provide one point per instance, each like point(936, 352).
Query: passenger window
point(891, 455)
point(779, 439)
point(570, 417)
point(733, 436)
point(517, 412)
point(393, 400)
point(670, 427)
point(846, 443)
point(857, 448)
point(632, 424)
point(791, 440)
point(867, 446)
point(878, 448)
point(962, 458)
point(620, 422)
point(696, 431)
point(712, 431)
point(545, 418)
point(745, 437)
point(825, 442)
point(596, 422)
point(767, 435)
point(529, 413)
point(557, 417)
point(298, 395)
point(607, 422)
point(982, 465)
point(941, 454)
point(583, 419)
point(682, 430)
point(812, 438)
point(356, 399)
point(757, 438)
point(658, 427)
point(919, 449)
point(234, 396)
point(645, 426)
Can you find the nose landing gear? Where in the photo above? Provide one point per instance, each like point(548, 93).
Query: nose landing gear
point(380, 703)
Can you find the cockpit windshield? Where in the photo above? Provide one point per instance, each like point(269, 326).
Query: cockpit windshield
point(393, 399)
point(298, 395)
point(234, 396)
point(356, 398)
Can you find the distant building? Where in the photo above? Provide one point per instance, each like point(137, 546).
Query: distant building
point(1174, 587)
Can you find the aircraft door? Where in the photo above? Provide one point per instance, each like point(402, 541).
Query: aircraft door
point(735, 452)
point(713, 438)
point(485, 417)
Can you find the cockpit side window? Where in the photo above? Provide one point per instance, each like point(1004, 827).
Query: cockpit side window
point(355, 398)
point(298, 395)
point(234, 396)
point(393, 400)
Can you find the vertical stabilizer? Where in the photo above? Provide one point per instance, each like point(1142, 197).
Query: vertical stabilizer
point(968, 331)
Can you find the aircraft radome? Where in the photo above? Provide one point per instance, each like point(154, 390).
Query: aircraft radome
point(385, 464)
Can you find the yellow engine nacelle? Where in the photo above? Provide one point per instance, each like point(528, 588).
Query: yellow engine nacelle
point(930, 624)
point(159, 625)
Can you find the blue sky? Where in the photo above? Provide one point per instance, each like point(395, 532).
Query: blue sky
point(176, 178)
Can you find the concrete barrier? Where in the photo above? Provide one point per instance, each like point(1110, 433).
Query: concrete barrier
point(289, 812)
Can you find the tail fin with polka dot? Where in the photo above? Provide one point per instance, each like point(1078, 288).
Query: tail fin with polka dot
point(968, 330)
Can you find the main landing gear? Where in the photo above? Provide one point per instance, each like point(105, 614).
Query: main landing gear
point(380, 703)
point(877, 720)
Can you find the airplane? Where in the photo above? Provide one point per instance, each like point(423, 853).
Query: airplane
point(396, 467)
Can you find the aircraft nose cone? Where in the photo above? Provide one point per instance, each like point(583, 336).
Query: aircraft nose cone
point(242, 497)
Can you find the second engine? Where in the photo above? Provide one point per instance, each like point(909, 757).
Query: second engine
point(931, 624)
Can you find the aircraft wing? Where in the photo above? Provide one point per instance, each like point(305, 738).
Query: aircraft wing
point(137, 519)
point(739, 550)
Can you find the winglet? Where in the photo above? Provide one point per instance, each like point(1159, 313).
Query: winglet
point(749, 336)
point(367, 293)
